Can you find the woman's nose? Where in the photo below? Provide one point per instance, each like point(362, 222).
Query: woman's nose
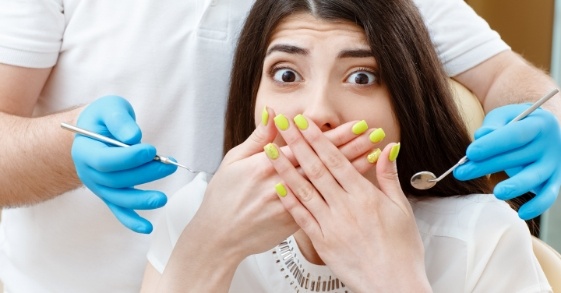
point(322, 110)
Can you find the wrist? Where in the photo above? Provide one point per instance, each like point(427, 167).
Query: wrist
point(202, 261)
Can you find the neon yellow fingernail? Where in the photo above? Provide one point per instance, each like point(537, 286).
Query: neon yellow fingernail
point(271, 151)
point(301, 122)
point(373, 156)
point(280, 189)
point(264, 116)
point(281, 122)
point(360, 127)
point(377, 135)
point(394, 152)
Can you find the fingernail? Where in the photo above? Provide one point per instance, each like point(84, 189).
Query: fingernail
point(377, 135)
point(271, 151)
point(360, 127)
point(394, 152)
point(265, 116)
point(281, 122)
point(373, 156)
point(280, 189)
point(301, 122)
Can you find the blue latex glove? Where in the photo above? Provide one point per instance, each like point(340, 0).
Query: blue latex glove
point(112, 172)
point(528, 150)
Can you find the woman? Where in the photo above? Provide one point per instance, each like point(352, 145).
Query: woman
point(329, 64)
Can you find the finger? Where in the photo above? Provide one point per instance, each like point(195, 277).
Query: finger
point(131, 219)
point(148, 172)
point(314, 168)
point(302, 216)
point(387, 176)
point(332, 167)
point(541, 202)
point(367, 160)
point(498, 118)
point(302, 189)
point(352, 145)
point(364, 143)
point(516, 158)
point(264, 133)
point(123, 127)
point(108, 158)
point(504, 139)
point(111, 116)
point(529, 178)
point(130, 198)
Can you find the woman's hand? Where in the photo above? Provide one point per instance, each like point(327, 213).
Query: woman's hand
point(366, 235)
point(240, 214)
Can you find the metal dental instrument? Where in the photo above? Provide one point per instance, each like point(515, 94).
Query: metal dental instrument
point(425, 179)
point(114, 142)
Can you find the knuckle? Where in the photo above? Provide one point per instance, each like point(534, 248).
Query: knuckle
point(334, 161)
point(304, 192)
point(316, 170)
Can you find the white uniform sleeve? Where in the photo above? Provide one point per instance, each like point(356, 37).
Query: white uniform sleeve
point(31, 32)
point(462, 38)
point(500, 255)
point(175, 216)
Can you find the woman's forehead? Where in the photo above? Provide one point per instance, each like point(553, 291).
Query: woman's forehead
point(296, 25)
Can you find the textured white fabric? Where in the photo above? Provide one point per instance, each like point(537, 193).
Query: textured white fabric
point(171, 60)
point(474, 243)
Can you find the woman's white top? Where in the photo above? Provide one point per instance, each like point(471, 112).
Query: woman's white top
point(473, 243)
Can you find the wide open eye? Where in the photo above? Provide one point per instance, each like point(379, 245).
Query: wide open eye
point(286, 75)
point(362, 77)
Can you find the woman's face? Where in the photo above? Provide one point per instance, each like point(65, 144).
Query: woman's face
point(325, 71)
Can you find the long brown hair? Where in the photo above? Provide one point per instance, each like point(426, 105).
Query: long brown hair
point(433, 135)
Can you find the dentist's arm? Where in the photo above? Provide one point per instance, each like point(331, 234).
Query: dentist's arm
point(35, 162)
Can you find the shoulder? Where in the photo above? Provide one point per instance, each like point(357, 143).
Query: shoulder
point(468, 239)
point(460, 216)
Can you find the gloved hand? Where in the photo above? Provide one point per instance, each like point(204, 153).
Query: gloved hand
point(528, 150)
point(112, 172)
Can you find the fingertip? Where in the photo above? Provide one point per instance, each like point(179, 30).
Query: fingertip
point(144, 228)
point(539, 204)
point(130, 219)
point(504, 191)
point(482, 131)
point(281, 190)
point(463, 172)
point(527, 212)
point(158, 200)
point(124, 128)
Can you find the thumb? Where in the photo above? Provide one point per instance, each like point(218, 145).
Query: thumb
point(386, 173)
point(111, 116)
point(263, 134)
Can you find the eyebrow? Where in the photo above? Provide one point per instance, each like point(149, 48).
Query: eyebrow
point(290, 49)
point(357, 53)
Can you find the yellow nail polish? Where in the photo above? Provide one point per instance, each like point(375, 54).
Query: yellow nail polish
point(394, 152)
point(280, 189)
point(271, 151)
point(360, 127)
point(264, 116)
point(301, 122)
point(377, 135)
point(373, 156)
point(281, 122)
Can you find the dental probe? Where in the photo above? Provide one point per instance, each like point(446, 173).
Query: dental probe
point(114, 142)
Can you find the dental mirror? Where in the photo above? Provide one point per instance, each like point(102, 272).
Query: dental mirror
point(424, 180)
